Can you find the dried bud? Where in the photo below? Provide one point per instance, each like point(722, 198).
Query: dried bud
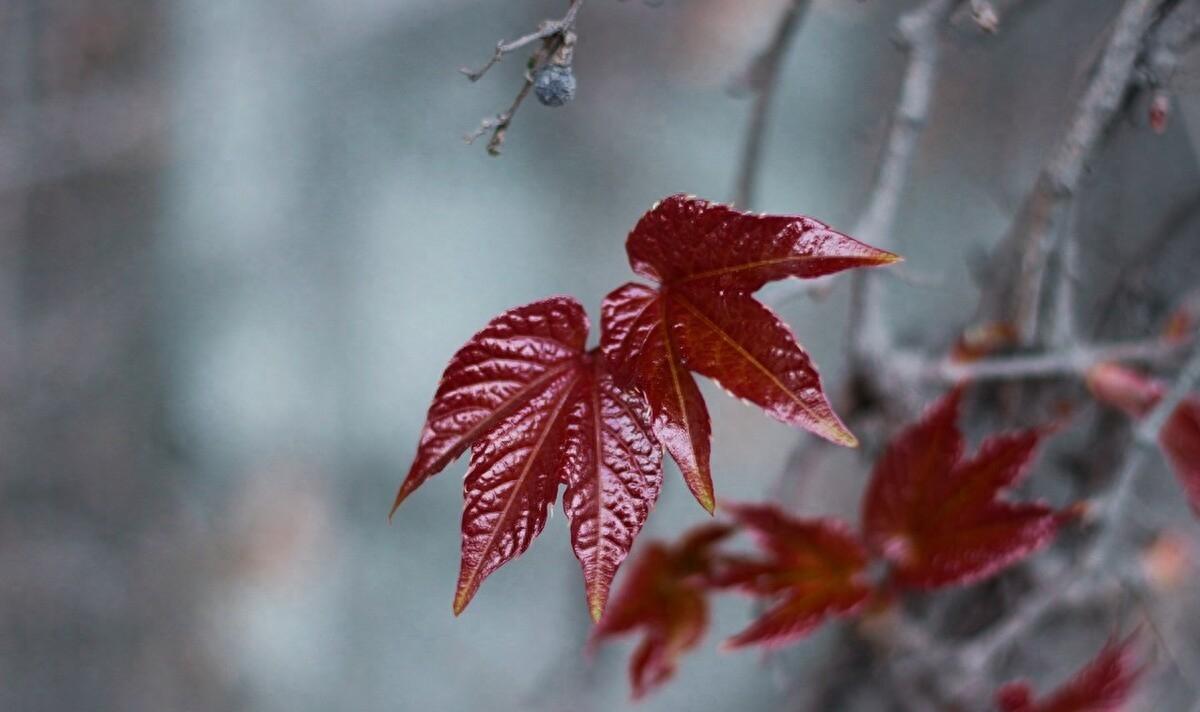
point(985, 16)
point(1167, 561)
point(1160, 109)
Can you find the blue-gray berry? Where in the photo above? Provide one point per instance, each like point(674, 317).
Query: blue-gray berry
point(554, 85)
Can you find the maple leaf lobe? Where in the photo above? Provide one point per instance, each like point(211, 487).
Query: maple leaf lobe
point(499, 368)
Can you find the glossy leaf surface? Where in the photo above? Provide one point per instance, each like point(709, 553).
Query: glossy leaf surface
point(511, 360)
point(1104, 685)
point(707, 260)
point(663, 597)
point(636, 341)
point(815, 569)
point(539, 412)
point(613, 468)
point(937, 517)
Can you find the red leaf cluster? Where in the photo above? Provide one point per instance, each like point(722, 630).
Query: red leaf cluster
point(1104, 685)
point(934, 516)
point(1180, 435)
point(541, 411)
point(707, 260)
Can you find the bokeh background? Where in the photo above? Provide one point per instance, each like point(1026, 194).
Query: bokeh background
point(239, 241)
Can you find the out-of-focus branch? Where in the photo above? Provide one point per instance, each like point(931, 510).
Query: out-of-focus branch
point(918, 32)
point(1177, 32)
point(554, 36)
point(1110, 513)
point(1070, 361)
point(1015, 296)
point(548, 29)
point(762, 77)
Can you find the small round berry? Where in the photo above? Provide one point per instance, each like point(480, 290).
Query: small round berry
point(554, 85)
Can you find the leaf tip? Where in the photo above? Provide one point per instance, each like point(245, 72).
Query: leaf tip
point(707, 501)
point(596, 606)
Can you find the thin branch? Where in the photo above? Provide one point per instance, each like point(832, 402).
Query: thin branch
point(546, 30)
point(763, 78)
point(556, 36)
point(918, 32)
point(1175, 35)
point(1016, 296)
point(1073, 361)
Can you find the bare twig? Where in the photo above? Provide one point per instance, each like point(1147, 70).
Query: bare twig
point(763, 77)
point(546, 30)
point(1070, 361)
point(555, 36)
point(1176, 33)
point(918, 32)
point(1016, 296)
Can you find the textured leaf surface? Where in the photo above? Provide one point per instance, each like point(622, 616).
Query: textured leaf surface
point(639, 348)
point(687, 240)
point(663, 596)
point(707, 260)
point(514, 358)
point(613, 468)
point(1104, 685)
point(815, 569)
point(538, 412)
point(511, 484)
point(936, 515)
point(1180, 436)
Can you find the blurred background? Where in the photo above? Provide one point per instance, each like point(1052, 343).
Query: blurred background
point(240, 240)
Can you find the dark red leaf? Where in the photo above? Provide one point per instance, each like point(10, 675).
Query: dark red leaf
point(1105, 685)
point(1180, 440)
point(685, 240)
point(514, 358)
point(613, 471)
point(936, 516)
point(663, 596)
point(815, 569)
point(539, 412)
point(639, 348)
point(708, 259)
point(512, 483)
point(1180, 436)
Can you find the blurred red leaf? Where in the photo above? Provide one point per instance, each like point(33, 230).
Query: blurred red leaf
point(1179, 438)
point(664, 597)
point(1104, 685)
point(538, 412)
point(936, 515)
point(815, 569)
point(707, 260)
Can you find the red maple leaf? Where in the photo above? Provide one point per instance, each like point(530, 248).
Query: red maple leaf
point(936, 516)
point(1104, 685)
point(539, 412)
point(664, 596)
point(816, 569)
point(707, 260)
point(1180, 435)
